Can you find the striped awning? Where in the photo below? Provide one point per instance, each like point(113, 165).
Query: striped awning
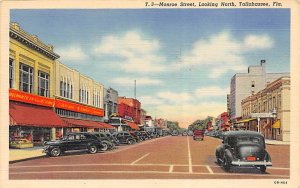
point(246, 120)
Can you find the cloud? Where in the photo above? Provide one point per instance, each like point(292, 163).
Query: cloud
point(211, 91)
point(144, 81)
point(258, 42)
point(222, 53)
point(72, 53)
point(174, 98)
point(136, 53)
point(150, 100)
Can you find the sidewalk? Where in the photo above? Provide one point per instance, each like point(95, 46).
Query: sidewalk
point(276, 142)
point(17, 155)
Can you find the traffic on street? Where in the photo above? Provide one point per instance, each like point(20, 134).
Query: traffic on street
point(166, 157)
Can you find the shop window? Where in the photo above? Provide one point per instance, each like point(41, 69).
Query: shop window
point(43, 84)
point(26, 78)
point(11, 72)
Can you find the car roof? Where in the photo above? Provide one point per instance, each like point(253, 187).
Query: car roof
point(242, 133)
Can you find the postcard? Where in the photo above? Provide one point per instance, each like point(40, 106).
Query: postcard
point(150, 93)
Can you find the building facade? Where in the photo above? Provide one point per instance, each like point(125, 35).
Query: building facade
point(245, 84)
point(31, 82)
point(110, 102)
point(268, 111)
point(129, 108)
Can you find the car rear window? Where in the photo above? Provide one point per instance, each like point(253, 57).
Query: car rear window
point(249, 139)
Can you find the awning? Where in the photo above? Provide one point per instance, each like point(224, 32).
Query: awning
point(106, 125)
point(22, 114)
point(276, 125)
point(245, 120)
point(132, 125)
point(82, 123)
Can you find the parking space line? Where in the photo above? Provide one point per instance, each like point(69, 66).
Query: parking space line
point(140, 159)
point(190, 157)
point(209, 169)
point(171, 168)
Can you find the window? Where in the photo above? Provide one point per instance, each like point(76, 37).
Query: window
point(11, 72)
point(66, 88)
point(26, 78)
point(43, 87)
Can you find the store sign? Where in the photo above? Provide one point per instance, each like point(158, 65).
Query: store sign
point(261, 115)
point(78, 108)
point(15, 95)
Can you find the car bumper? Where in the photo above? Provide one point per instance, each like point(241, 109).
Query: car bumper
point(251, 163)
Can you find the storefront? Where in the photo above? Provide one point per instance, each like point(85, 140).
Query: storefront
point(32, 124)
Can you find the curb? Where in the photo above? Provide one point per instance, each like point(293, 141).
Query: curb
point(26, 159)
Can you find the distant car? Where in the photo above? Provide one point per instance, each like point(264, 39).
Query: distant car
point(135, 136)
point(184, 133)
point(145, 135)
point(198, 135)
point(190, 133)
point(243, 148)
point(73, 141)
point(175, 133)
point(113, 138)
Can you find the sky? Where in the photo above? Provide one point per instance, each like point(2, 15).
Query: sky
point(182, 59)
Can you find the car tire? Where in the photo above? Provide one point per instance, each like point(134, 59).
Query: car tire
point(129, 142)
point(93, 149)
point(262, 168)
point(55, 152)
point(226, 164)
point(104, 147)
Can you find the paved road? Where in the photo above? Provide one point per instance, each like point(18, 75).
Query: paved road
point(172, 157)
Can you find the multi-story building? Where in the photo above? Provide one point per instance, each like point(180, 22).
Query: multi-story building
point(143, 116)
point(268, 111)
point(32, 85)
point(149, 122)
point(79, 100)
point(245, 84)
point(129, 108)
point(110, 102)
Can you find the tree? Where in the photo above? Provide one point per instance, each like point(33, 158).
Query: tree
point(173, 125)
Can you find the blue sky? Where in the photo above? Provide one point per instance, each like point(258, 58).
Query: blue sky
point(182, 59)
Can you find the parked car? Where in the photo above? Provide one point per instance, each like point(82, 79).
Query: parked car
point(198, 135)
point(184, 133)
point(124, 137)
point(145, 135)
point(243, 148)
point(107, 142)
point(113, 138)
point(73, 141)
point(135, 136)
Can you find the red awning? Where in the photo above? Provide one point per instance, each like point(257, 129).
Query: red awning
point(132, 125)
point(82, 123)
point(34, 116)
point(106, 125)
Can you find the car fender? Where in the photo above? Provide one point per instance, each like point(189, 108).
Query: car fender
point(268, 157)
point(228, 154)
point(98, 144)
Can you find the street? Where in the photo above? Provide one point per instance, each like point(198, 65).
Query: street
point(170, 157)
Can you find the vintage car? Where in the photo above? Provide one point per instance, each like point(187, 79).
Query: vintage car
point(107, 142)
point(243, 148)
point(73, 141)
point(124, 137)
point(198, 135)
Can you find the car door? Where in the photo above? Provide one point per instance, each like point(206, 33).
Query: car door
point(83, 141)
point(120, 137)
point(71, 142)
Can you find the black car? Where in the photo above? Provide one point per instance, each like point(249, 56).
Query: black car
point(145, 135)
point(175, 133)
point(107, 142)
point(113, 138)
point(243, 148)
point(73, 141)
point(124, 137)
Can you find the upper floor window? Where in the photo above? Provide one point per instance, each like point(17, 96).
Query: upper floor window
point(11, 72)
point(26, 78)
point(43, 87)
point(66, 88)
point(83, 95)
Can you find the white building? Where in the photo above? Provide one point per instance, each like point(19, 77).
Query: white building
point(245, 84)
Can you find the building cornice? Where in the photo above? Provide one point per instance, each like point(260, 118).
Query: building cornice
point(31, 41)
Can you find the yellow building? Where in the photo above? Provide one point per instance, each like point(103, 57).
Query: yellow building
point(268, 111)
point(31, 82)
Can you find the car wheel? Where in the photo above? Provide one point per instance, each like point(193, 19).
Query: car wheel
point(226, 164)
point(55, 152)
point(104, 147)
point(93, 149)
point(129, 142)
point(262, 168)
